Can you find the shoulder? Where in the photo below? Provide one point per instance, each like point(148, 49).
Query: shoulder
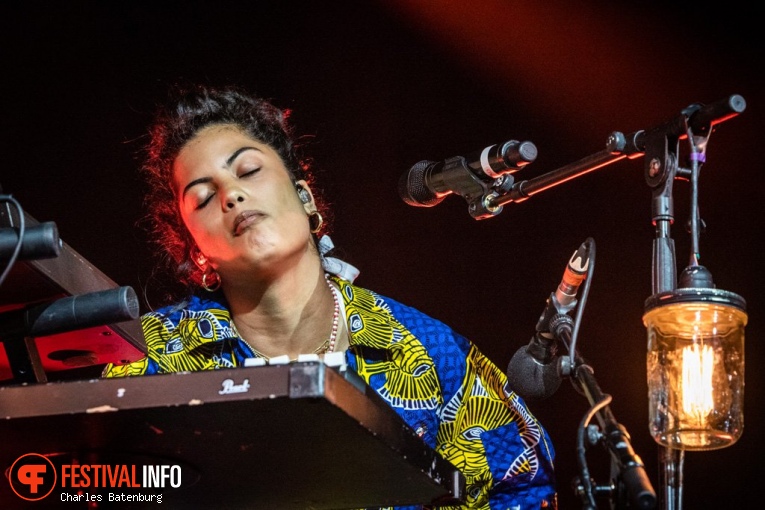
point(364, 306)
point(363, 299)
point(198, 317)
point(175, 312)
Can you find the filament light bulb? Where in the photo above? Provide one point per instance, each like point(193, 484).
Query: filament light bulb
point(695, 368)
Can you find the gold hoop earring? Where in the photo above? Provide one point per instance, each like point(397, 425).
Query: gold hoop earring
point(215, 286)
point(316, 221)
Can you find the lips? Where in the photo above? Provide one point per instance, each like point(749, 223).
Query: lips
point(245, 219)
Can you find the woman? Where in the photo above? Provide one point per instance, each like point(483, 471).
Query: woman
point(235, 216)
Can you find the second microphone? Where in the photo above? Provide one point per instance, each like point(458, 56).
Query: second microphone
point(427, 183)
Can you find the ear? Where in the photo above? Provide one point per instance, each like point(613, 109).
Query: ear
point(305, 195)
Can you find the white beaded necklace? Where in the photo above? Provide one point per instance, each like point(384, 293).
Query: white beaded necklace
point(330, 343)
point(327, 345)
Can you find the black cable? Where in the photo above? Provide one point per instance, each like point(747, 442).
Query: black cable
point(582, 302)
point(581, 448)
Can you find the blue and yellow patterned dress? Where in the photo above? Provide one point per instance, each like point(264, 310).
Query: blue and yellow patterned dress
point(454, 397)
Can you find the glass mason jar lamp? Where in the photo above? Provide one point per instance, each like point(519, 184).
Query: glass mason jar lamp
point(695, 367)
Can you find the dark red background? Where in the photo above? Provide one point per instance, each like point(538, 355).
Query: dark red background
point(381, 85)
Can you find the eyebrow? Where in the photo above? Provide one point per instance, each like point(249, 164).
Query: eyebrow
point(229, 161)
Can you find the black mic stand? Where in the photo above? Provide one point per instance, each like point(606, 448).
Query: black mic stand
point(630, 486)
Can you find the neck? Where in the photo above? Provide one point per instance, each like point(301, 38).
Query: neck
point(291, 315)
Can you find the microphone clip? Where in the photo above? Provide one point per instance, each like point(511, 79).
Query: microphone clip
point(479, 190)
point(554, 311)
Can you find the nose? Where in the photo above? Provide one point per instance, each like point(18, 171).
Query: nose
point(233, 198)
point(233, 195)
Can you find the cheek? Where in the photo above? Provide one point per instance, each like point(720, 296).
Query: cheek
point(296, 220)
point(197, 228)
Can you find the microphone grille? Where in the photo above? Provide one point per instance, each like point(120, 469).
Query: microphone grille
point(412, 187)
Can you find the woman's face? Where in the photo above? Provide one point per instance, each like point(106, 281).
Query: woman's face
point(240, 204)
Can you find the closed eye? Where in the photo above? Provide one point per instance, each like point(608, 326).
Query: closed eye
point(205, 202)
point(249, 173)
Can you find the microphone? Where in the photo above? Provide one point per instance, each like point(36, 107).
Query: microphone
point(72, 313)
point(533, 370)
point(40, 242)
point(427, 183)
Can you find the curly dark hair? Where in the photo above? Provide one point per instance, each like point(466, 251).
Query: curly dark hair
point(190, 109)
